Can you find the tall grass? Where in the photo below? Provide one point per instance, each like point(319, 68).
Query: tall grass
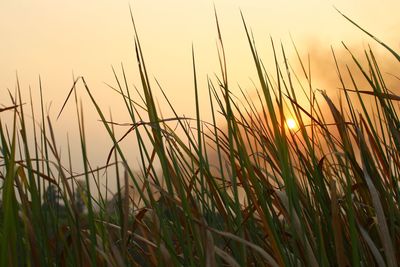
point(244, 192)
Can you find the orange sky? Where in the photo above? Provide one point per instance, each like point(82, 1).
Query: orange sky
point(57, 38)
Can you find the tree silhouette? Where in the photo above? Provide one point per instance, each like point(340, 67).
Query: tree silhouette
point(52, 197)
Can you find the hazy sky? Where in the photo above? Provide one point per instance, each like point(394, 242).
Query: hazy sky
point(57, 38)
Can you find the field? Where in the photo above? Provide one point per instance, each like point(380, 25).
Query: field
point(276, 183)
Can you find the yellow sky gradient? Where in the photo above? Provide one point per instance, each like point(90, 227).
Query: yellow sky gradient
point(57, 38)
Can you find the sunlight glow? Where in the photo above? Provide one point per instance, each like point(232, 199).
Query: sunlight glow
point(291, 124)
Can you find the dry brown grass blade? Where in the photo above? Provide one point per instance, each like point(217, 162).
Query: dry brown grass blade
point(372, 246)
point(139, 217)
point(340, 124)
point(118, 258)
point(382, 226)
point(33, 245)
point(226, 257)
point(209, 249)
point(139, 237)
point(292, 217)
point(9, 108)
point(155, 231)
point(42, 175)
point(268, 258)
point(337, 226)
point(103, 256)
point(377, 94)
point(374, 145)
point(265, 224)
point(294, 102)
point(125, 213)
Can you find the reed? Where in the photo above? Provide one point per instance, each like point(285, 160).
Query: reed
point(246, 191)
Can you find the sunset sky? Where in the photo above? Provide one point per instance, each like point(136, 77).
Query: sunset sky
point(55, 39)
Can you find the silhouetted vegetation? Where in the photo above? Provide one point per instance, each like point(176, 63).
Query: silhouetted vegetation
point(247, 191)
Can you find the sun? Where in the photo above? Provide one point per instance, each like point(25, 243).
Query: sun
point(291, 124)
